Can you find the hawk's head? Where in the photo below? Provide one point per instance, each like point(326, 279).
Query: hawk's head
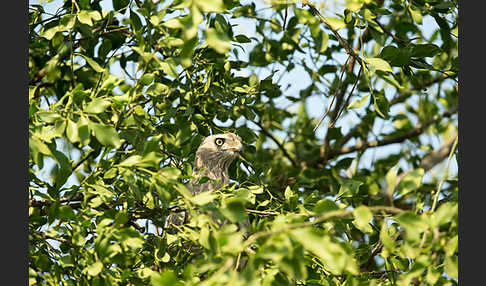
point(215, 154)
point(222, 145)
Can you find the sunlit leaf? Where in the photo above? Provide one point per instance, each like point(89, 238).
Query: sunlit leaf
point(218, 41)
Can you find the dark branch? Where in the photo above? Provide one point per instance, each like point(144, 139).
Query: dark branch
point(397, 99)
point(280, 146)
point(361, 145)
point(91, 152)
point(341, 41)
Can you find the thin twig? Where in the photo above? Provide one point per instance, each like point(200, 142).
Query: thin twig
point(341, 41)
point(280, 146)
point(361, 145)
point(327, 216)
point(261, 212)
point(333, 98)
point(397, 39)
point(331, 124)
point(285, 17)
point(91, 152)
point(444, 175)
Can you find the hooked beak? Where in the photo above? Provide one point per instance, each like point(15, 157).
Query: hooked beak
point(236, 148)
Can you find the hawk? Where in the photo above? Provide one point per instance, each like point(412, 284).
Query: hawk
point(213, 158)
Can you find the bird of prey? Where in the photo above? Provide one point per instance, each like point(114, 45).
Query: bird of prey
point(213, 158)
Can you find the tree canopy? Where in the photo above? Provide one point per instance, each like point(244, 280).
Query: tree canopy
point(347, 110)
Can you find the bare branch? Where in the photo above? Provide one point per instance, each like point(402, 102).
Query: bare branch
point(334, 97)
point(331, 124)
point(435, 157)
point(280, 146)
point(325, 217)
point(361, 145)
point(341, 41)
point(397, 99)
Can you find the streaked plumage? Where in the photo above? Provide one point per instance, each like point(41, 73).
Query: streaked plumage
point(213, 158)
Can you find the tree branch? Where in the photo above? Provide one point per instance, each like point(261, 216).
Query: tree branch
point(41, 73)
point(437, 156)
point(397, 99)
point(361, 145)
point(341, 41)
point(397, 39)
point(280, 146)
point(327, 216)
point(75, 166)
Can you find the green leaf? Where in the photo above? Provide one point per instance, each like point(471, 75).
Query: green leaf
point(106, 135)
point(167, 278)
point(451, 246)
point(336, 23)
point(72, 132)
point(151, 159)
point(389, 53)
point(324, 42)
point(135, 21)
point(95, 268)
point(67, 22)
point(354, 5)
point(337, 258)
point(234, 209)
point(84, 17)
point(402, 58)
point(325, 205)
point(349, 187)
point(411, 182)
point(242, 39)
point(169, 67)
point(391, 81)
point(169, 174)
point(66, 212)
point(120, 4)
point(379, 64)
point(83, 131)
point(64, 171)
point(444, 214)
point(425, 50)
point(131, 161)
point(451, 266)
point(386, 238)
point(218, 41)
point(432, 275)
point(147, 78)
point(362, 218)
point(210, 5)
point(390, 178)
point(134, 242)
point(381, 104)
point(359, 102)
point(97, 105)
point(203, 198)
point(415, 13)
point(48, 116)
point(92, 63)
point(35, 145)
point(50, 33)
point(413, 224)
point(288, 193)
point(174, 23)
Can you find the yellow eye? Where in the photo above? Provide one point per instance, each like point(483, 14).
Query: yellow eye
point(219, 141)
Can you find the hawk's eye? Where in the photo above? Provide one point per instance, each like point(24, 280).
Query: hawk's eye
point(219, 141)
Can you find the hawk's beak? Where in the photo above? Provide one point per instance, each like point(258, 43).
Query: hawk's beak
point(238, 147)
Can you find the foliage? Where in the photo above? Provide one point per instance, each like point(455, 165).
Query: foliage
point(122, 92)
